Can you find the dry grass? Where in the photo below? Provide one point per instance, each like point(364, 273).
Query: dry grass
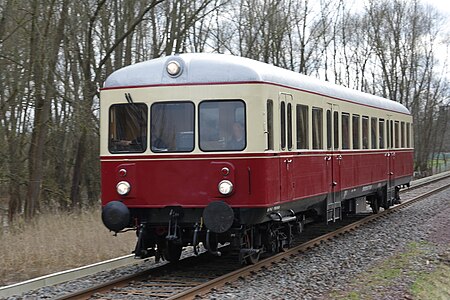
point(56, 242)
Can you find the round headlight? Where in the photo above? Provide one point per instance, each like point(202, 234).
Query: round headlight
point(173, 68)
point(225, 187)
point(123, 188)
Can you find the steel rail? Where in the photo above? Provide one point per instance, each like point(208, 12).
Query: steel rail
point(246, 270)
point(251, 269)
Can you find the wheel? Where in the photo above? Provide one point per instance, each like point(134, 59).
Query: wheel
point(251, 257)
point(375, 204)
point(172, 251)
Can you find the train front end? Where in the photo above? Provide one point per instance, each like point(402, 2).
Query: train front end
point(175, 162)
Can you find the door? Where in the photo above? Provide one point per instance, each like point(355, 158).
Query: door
point(390, 156)
point(286, 160)
point(333, 161)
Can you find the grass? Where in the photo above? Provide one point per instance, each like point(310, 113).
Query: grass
point(57, 242)
point(434, 285)
point(384, 276)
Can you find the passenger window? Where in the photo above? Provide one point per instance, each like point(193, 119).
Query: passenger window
point(388, 132)
point(355, 127)
point(269, 125)
point(373, 131)
point(128, 128)
point(329, 132)
point(289, 124)
point(397, 134)
point(172, 127)
point(283, 124)
point(222, 125)
point(381, 133)
point(402, 134)
point(345, 131)
point(391, 134)
point(408, 135)
point(317, 127)
point(365, 132)
point(302, 126)
point(336, 129)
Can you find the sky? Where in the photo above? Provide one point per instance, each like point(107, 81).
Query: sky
point(441, 5)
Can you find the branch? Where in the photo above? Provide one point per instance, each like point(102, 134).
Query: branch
point(123, 37)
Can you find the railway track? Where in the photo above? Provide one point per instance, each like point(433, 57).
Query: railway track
point(196, 276)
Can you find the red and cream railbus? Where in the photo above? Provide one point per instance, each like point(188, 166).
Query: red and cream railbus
point(216, 148)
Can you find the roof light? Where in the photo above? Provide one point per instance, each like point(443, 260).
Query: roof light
point(173, 68)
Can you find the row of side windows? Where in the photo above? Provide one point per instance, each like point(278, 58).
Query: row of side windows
point(357, 132)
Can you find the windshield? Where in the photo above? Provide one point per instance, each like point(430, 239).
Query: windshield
point(127, 128)
point(222, 125)
point(172, 127)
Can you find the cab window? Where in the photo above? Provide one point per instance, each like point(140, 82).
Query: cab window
point(128, 128)
point(222, 125)
point(172, 127)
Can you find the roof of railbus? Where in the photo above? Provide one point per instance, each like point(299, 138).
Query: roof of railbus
point(206, 68)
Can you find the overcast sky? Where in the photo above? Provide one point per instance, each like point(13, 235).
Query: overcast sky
point(442, 5)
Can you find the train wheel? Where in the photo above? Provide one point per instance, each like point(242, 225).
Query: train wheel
point(172, 251)
point(375, 204)
point(252, 256)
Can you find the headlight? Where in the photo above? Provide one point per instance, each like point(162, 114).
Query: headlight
point(225, 187)
point(123, 188)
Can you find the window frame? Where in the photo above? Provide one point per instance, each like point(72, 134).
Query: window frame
point(244, 125)
point(381, 133)
point(269, 120)
point(356, 130)
point(320, 132)
point(345, 116)
point(373, 133)
point(193, 125)
point(130, 105)
point(299, 108)
point(365, 137)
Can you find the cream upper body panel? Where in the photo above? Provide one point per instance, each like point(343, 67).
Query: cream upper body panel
point(224, 77)
point(202, 68)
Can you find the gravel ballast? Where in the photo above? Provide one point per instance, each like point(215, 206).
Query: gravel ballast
point(411, 241)
point(337, 269)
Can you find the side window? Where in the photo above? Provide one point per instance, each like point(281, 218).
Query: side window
point(388, 134)
point(302, 126)
point(289, 124)
point(345, 131)
point(391, 134)
point(402, 134)
point(222, 125)
point(355, 127)
point(329, 132)
point(373, 131)
point(381, 133)
point(317, 128)
point(128, 128)
point(365, 132)
point(269, 125)
point(336, 129)
point(408, 135)
point(283, 124)
point(397, 134)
